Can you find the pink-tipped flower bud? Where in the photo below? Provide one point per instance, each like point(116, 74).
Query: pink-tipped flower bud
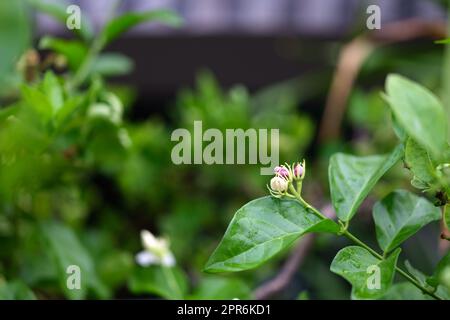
point(298, 171)
point(278, 184)
point(282, 171)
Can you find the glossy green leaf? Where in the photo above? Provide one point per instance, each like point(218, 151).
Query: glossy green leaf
point(419, 162)
point(405, 291)
point(444, 263)
point(67, 250)
point(221, 288)
point(400, 215)
point(123, 23)
point(351, 179)
point(419, 112)
point(417, 274)
point(169, 283)
point(261, 229)
point(360, 268)
point(398, 130)
point(57, 11)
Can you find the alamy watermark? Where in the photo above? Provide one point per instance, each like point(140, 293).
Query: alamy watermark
point(234, 146)
point(374, 279)
point(373, 22)
point(73, 20)
point(73, 281)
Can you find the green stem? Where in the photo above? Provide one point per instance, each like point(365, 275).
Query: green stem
point(399, 270)
point(82, 72)
point(304, 203)
point(444, 223)
point(97, 46)
point(170, 277)
point(365, 246)
point(444, 216)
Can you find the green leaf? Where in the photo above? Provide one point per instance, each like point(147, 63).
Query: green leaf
point(419, 112)
point(444, 263)
point(38, 102)
point(419, 162)
point(115, 268)
point(58, 12)
point(261, 229)
point(68, 108)
point(443, 41)
point(53, 90)
point(169, 283)
point(67, 250)
point(123, 23)
point(15, 37)
point(351, 179)
point(15, 290)
point(400, 215)
point(221, 288)
point(398, 130)
point(112, 64)
point(74, 50)
point(405, 291)
point(417, 274)
point(357, 266)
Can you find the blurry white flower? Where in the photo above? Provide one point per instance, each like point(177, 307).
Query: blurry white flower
point(156, 251)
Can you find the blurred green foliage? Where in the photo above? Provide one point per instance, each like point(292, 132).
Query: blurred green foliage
point(79, 181)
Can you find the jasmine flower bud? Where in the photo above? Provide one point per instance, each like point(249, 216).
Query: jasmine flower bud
point(298, 171)
point(278, 184)
point(282, 171)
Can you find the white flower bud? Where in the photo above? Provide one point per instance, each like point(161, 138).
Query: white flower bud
point(278, 184)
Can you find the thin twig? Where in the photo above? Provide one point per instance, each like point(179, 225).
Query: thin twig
point(287, 272)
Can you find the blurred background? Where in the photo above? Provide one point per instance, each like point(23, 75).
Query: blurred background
point(77, 186)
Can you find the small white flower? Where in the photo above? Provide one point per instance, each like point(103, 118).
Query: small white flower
point(156, 251)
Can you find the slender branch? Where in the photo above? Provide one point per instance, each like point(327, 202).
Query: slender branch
point(378, 256)
point(399, 270)
point(96, 47)
point(288, 270)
